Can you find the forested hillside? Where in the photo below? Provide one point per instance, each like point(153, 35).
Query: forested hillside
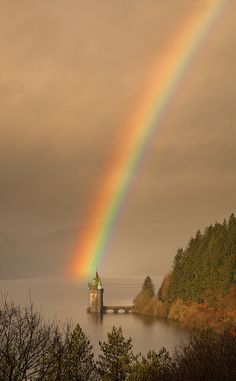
point(201, 288)
point(206, 269)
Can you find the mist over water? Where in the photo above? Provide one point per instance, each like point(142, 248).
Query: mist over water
point(65, 300)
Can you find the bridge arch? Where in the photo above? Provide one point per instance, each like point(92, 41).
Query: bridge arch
point(118, 309)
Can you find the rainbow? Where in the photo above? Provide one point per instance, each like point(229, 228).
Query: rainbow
point(141, 129)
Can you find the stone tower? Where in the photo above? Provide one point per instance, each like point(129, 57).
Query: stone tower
point(95, 295)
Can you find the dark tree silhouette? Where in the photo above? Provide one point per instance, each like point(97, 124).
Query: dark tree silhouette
point(24, 343)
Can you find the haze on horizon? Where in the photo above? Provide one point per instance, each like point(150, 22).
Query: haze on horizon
point(71, 75)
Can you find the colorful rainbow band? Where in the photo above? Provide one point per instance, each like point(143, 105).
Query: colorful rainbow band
point(140, 130)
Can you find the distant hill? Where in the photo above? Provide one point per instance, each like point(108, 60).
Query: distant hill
point(26, 256)
point(12, 256)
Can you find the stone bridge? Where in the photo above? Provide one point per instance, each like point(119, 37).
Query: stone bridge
point(118, 309)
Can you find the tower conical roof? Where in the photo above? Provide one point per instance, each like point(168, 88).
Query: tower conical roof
point(96, 283)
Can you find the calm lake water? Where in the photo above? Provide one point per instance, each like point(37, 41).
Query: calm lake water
point(65, 300)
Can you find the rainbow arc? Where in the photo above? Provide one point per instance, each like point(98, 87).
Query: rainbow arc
point(146, 120)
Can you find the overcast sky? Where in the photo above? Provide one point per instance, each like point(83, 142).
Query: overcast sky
point(71, 73)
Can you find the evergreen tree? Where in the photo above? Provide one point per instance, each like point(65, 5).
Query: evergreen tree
point(116, 357)
point(79, 358)
point(145, 295)
point(206, 269)
point(148, 287)
point(71, 357)
point(154, 367)
point(56, 358)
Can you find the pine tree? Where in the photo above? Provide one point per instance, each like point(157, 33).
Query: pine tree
point(154, 367)
point(79, 358)
point(205, 270)
point(145, 295)
point(148, 287)
point(116, 357)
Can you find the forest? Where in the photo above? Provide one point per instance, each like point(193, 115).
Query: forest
point(200, 290)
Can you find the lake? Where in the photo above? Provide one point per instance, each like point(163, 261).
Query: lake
point(65, 299)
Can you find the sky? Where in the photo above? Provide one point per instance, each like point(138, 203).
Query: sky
point(71, 75)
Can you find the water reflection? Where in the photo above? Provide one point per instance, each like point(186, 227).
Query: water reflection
point(95, 319)
point(146, 319)
point(68, 301)
point(150, 320)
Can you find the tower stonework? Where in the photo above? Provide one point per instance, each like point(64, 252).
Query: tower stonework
point(95, 295)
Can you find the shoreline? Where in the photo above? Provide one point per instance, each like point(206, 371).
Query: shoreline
point(190, 315)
